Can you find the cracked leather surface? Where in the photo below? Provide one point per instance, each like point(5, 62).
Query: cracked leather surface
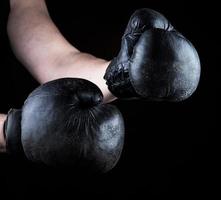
point(64, 123)
point(155, 62)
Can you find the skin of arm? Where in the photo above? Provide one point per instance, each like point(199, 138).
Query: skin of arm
point(2, 139)
point(45, 53)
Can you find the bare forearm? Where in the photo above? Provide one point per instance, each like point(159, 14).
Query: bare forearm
point(32, 34)
point(43, 50)
point(2, 139)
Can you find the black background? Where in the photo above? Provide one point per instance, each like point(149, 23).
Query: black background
point(167, 150)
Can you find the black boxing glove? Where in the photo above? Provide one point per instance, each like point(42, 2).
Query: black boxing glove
point(155, 61)
point(64, 123)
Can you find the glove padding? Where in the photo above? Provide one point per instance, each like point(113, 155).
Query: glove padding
point(155, 61)
point(64, 123)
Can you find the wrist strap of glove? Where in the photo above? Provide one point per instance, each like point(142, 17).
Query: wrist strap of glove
point(118, 80)
point(12, 132)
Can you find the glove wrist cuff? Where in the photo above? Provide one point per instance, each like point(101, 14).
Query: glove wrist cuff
point(118, 80)
point(12, 132)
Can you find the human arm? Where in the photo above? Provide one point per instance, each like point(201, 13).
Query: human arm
point(46, 54)
point(2, 138)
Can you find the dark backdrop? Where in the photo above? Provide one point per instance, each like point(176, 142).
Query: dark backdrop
point(167, 149)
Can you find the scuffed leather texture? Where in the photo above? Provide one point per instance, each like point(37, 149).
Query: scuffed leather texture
point(118, 79)
point(64, 123)
point(12, 132)
point(155, 61)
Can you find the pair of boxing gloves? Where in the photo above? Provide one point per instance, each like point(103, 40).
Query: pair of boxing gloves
point(64, 122)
